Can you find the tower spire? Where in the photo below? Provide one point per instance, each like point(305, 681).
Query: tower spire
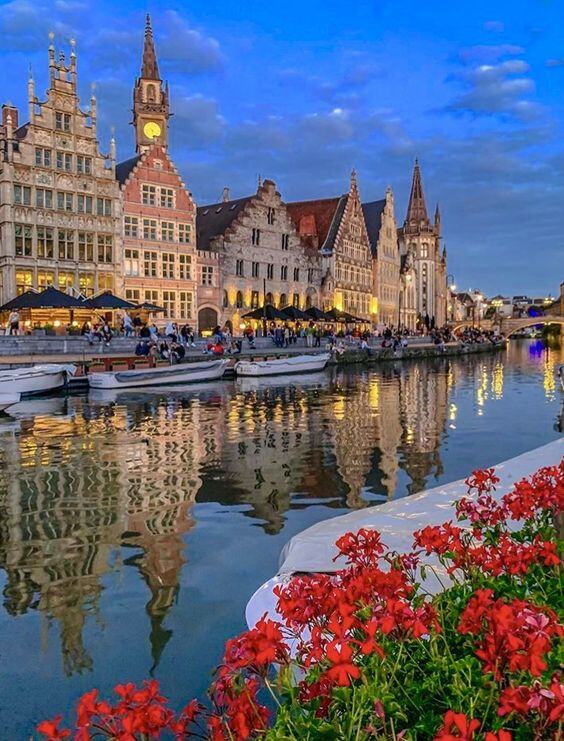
point(149, 67)
point(416, 210)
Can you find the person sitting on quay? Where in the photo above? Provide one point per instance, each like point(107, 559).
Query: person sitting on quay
point(142, 349)
point(145, 332)
point(177, 352)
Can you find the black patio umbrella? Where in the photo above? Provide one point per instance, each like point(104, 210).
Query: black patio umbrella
point(27, 300)
point(342, 316)
point(293, 313)
point(50, 298)
point(107, 300)
point(316, 314)
point(268, 312)
point(148, 306)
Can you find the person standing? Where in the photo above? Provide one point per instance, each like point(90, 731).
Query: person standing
point(14, 322)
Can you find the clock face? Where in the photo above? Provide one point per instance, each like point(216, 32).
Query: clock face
point(152, 130)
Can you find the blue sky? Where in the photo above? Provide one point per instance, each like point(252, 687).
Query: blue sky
point(300, 92)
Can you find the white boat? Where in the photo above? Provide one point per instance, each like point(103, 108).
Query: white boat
point(178, 374)
point(35, 379)
point(8, 400)
point(280, 366)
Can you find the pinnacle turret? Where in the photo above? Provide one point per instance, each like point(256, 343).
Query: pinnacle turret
point(416, 210)
point(149, 67)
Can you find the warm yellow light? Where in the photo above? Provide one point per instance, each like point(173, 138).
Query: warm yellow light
point(57, 323)
point(373, 305)
point(75, 323)
point(242, 325)
point(27, 324)
point(338, 301)
point(453, 287)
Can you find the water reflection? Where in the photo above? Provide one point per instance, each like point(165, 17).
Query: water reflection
point(91, 487)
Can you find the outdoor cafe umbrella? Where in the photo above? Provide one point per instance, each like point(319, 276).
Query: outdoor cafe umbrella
point(293, 313)
point(316, 314)
point(268, 312)
point(342, 316)
point(107, 300)
point(50, 298)
point(148, 306)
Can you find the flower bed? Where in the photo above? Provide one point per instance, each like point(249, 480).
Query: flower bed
point(368, 653)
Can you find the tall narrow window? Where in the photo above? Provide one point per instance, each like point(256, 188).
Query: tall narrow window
point(239, 268)
point(255, 236)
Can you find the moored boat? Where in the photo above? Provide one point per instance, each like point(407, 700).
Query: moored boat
point(282, 366)
point(8, 400)
point(170, 374)
point(35, 379)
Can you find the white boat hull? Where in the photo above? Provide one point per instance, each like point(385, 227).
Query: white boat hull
point(37, 379)
point(8, 400)
point(173, 374)
point(282, 366)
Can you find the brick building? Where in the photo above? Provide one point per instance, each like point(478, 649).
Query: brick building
point(261, 255)
point(59, 201)
point(160, 264)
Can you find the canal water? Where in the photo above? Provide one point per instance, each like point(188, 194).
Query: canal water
point(135, 526)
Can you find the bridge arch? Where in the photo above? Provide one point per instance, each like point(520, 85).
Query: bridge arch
point(506, 325)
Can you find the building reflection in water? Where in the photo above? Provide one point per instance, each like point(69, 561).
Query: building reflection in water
point(89, 487)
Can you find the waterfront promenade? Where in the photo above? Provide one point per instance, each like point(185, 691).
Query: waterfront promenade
point(24, 350)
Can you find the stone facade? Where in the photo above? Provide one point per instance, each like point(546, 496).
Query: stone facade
point(60, 210)
point(336, 227)
point(422, 238)
point(159, 215)
point(261, 256)
point(382, 231)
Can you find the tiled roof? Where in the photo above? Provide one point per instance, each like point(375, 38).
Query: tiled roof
point(213, 220)
point(124, 169)
point(373, 220)
point(324, 219)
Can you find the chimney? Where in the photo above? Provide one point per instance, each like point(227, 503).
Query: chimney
point(225, 195)
point(9, 110)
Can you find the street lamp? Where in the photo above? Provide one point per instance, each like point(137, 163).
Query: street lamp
point(451, 288)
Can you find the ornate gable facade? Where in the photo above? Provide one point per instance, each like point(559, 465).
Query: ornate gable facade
point(261, 256)
point(60, 210)
point(159, 227)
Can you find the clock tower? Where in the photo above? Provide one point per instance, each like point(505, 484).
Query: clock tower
point(150, 99)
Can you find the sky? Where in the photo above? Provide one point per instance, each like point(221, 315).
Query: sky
point(302, 92)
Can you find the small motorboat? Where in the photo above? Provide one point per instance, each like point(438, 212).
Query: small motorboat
point(177, 374)
point(35, 379)
point(8, 400)
point(282, 366)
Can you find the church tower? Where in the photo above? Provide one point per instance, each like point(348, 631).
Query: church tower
point(421, 238)
point(150, 99)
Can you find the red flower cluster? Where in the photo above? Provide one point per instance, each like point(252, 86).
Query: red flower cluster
point(363, 548)
point(140, 711)
point(458, 727)
point(546, 701)
point(239, 714)
point(258, 647)
point(515, 635)
point(543, 492)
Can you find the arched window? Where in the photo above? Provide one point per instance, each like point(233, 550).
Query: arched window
point(283, 301)
point(269, 298)
point(151, 93)
point(239, 300)
point(225, 299)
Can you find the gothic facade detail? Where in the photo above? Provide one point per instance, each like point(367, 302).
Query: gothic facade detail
point(337, 229)
point(60, 210)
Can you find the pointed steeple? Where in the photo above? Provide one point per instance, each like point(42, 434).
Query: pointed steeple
point(416, 210)
point(149, 67)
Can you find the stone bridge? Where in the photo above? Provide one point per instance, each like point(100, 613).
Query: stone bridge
point(508, 325)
